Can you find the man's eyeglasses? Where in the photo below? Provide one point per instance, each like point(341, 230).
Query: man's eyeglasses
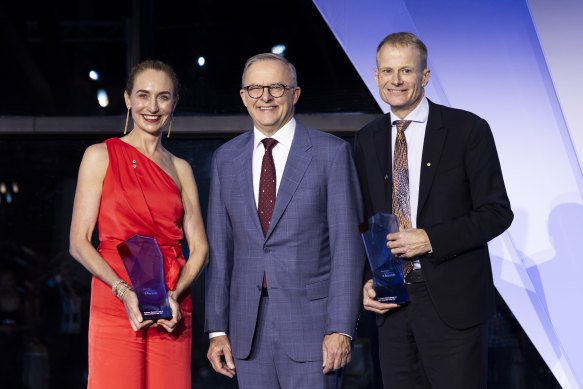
point(275, 90)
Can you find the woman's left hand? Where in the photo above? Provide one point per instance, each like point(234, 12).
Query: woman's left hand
point(170, 325)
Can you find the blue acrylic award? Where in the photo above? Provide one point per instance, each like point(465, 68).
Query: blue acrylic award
point(387, 269)
point(143, 261)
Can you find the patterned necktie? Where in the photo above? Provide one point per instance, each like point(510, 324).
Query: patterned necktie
point(266, 199)
point(401, 205)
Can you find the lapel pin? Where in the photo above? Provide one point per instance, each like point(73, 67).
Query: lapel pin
point(386, 177)
point(428, 164)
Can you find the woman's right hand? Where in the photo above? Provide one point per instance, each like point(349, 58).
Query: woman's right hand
point(130, 301)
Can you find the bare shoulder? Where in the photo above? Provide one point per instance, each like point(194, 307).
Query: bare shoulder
point(96, 156)
point(185, 174)
point(96, 151)
point(94, 164)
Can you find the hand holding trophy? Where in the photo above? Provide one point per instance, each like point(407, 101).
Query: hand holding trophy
point(387, 269)
point(143, 261)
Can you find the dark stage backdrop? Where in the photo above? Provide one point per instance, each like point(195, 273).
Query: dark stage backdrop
point(44, 293)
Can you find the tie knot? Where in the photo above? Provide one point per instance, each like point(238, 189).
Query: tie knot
point(268, 143)
point(402, 125)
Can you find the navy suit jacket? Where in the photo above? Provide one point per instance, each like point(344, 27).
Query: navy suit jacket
point(462, 205)
point(312, 254)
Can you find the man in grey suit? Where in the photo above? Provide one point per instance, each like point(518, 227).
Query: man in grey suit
point(284, 281)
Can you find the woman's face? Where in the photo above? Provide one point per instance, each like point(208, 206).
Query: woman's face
point(152, 100)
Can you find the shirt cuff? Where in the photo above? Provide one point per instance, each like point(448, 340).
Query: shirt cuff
point(215, 334)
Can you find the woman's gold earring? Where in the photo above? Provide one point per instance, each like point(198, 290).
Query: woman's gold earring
point(125, 130)
point(170, 126)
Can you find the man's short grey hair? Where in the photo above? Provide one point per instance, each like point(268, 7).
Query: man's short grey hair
point(270, 57)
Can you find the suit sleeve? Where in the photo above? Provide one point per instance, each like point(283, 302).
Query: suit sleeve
point(489, 213)
point(360, 158)
point(218, 276)
point(344, 209)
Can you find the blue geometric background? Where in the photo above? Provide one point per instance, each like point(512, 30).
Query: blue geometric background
point(518, 64)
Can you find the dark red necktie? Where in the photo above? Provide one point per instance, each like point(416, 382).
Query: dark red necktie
point(266, 199)
point(401, 205)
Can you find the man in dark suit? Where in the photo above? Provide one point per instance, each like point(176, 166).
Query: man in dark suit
point(284, 280)
point(453, 202)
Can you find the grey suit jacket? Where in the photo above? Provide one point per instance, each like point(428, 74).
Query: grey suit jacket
point(312, 255)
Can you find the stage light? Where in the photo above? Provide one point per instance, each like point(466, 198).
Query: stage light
point(102, 98)
point(15, 187)
point(278, 49)
point(94, 75)
point(3, 188)
point(201, 61)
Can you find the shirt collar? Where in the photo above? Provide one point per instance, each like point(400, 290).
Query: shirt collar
point(419, 114)
point(284, 135)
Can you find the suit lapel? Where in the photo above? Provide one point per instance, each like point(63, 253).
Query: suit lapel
point(295, 167)
point(432, 150)
point(382, 149)
point(244, 165)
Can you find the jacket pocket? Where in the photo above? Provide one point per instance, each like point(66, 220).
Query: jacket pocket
point(317, 290)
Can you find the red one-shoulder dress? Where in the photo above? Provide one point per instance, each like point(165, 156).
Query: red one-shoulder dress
point(138, 198)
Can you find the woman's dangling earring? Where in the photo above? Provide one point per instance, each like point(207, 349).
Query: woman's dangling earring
point(125, 130)
point(170, 126)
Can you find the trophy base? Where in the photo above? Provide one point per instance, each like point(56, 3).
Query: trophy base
point(394, 294)
point(156, 313)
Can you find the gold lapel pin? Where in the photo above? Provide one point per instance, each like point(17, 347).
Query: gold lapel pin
point(428, 164)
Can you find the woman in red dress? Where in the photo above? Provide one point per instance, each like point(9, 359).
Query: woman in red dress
point(133, 185)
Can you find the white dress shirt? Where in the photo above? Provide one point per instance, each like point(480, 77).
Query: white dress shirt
point(284, 137)
point(415, 136)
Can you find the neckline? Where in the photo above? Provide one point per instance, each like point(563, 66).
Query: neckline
point(168, 176)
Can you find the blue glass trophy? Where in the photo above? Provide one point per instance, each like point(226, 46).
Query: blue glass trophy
point(387, 270)
point(143, 261)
